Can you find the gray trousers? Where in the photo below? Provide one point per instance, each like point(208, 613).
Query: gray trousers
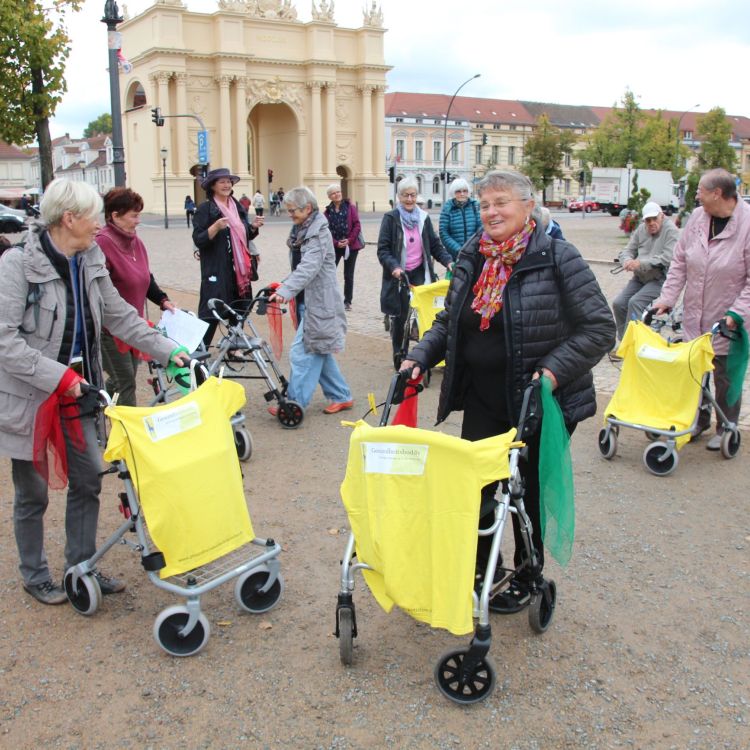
point(721, 386)
point(121, 369)
point(81, 514)
point(630, 303)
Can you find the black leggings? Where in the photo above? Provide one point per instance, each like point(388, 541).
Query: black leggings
point(416, 278)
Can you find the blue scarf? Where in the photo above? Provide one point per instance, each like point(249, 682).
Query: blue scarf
point(410, 219)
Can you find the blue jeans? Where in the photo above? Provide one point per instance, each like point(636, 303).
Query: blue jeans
point(309, 369)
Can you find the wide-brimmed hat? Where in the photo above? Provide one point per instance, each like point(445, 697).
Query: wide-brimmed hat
point(217, 174)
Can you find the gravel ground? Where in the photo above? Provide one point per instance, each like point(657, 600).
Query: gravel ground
point(645, 651)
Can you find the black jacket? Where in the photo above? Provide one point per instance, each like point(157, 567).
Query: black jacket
point(390, 249)
point(554, 316)
point(217, 268)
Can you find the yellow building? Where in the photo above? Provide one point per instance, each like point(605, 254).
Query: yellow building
point(303, 101)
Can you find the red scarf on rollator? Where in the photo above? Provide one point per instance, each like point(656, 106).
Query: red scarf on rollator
point(49, 449)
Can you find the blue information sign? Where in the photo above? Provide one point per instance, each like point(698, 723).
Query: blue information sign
point(203, 146)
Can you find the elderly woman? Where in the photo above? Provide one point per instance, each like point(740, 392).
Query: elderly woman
point(406, 243)
point(519, 305)
point(343, 221)
point(711, 262)
point(127, 263)
point(223, 236)
point(322, 322)
point(459, 218)
point(57, 297)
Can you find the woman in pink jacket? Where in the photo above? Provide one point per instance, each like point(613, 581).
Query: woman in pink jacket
point(712, 263)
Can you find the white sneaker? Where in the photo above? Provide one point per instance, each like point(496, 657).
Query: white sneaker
point(714, 444)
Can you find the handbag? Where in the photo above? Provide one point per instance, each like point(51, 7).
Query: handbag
point(361, 239)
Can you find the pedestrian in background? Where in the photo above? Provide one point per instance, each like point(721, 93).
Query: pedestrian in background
point(259, 203)
point(459, 218)
point(343, 221)
point(189, 209)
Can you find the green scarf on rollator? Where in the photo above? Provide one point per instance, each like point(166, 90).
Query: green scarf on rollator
point(556, 493)
point(737, 359)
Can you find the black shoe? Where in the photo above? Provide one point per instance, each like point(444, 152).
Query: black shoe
point(347, 306)
point(512, 600)
point(108, 585)
point(47, 593)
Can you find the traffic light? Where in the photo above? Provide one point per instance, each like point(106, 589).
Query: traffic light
point(270, 175)
point(581, 177)
point(156, 117)
point(391, 174)
point(484, 139)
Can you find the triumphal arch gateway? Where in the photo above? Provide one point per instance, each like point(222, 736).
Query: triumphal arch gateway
point(303, 100)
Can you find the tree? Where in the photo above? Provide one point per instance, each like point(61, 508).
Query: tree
point(34, 39)
point(102, 124)
point(715, 132)
point(544, 151)
point(617, 139)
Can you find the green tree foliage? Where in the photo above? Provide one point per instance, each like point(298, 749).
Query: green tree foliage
point(715, 132)
point(102, 124)
point(34, 46)
point(544, 151)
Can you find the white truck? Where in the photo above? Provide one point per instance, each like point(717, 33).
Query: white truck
point(609, 188)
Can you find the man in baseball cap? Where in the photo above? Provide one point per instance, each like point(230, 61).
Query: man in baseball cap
point(647, 256)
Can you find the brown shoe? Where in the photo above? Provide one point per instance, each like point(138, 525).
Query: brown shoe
point(335, 408)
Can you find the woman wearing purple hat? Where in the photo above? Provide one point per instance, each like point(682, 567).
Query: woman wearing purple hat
point(223, 235)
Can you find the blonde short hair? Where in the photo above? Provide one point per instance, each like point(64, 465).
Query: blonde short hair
point(64, 195)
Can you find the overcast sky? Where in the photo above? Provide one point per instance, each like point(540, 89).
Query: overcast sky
point(673, 54)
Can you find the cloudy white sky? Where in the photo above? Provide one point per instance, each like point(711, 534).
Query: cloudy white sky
point(673, 54)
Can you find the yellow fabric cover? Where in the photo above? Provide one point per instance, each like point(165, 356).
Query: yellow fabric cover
point(183, 463)
point(428, 300)
point(413, 499)
point(660, 384)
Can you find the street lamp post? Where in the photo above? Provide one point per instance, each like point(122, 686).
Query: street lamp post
point(445, 131)
point(164, 154)
point(112, 18)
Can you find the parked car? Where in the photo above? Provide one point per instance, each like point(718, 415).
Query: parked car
point(8, 210)
point(10, 223)
point(581, 205)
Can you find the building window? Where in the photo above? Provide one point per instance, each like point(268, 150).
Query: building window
point(567, 187)
point(435, 185)
point(418, 120)
point(513, 127)
point(399, 119)
point(496, 126)
point(419, 183)
point(687, 135)
point(419, 150)
point(437, 151)
point(495, 154)
point(454, 152)
point(400, 149)
point(478, 155)
point(567, 160)
point(511, 155)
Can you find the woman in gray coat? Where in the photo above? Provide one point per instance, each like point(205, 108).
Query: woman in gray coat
point(322, 321)
point(57, 296)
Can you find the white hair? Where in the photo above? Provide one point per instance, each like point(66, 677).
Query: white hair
point(334, 187)
point(299, 197)
point(458, 184)
point(64, 195)
point(408, 183)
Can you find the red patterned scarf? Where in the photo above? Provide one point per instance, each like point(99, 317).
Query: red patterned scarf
point(500, 259)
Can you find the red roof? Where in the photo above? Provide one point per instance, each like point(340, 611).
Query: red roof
point(9, 151)
point(469, 108)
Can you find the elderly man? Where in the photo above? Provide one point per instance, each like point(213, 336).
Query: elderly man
point(647, 256)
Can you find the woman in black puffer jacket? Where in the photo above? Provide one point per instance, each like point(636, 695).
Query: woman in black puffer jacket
point(519, 305)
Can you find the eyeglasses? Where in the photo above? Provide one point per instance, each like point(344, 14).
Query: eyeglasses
point(499, 204)
point(409, 195)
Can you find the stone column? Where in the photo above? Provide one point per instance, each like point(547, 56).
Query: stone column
point(330, 165)
point(240, 128)
point(224, 124)
point(183, 159)
point(163, 138)
point(379, 131)
point(367, 129)
point(316, 128)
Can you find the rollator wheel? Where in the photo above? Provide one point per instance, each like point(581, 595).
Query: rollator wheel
point(660, 459)
point(247, 590)
point(86, 596)
point(607, 443)
point(653, 436)
point(346, 636)
point(243, 441)
point(290, 414)
point(542, 607)
point(167, 628)
point(730, 443)
point(472, 689)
